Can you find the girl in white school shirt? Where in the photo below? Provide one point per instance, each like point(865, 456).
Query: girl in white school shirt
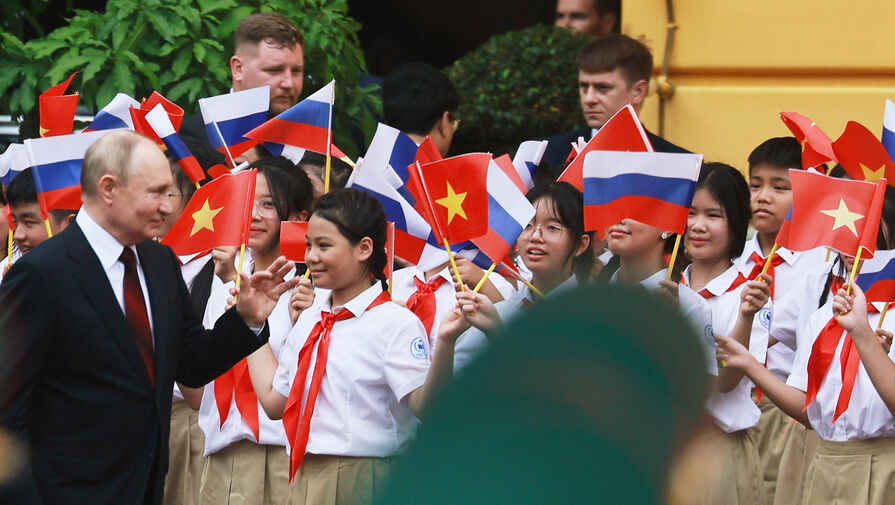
point(555, 249)
point(716, 233)
point(854, 461)
point(348, 384)
point(243, 466)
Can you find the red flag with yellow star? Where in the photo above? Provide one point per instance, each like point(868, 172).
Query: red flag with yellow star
point(456, 196)
point(862, 155)
point(218, 214)
point(57, 110)
point(816, 145)
point(829, 212)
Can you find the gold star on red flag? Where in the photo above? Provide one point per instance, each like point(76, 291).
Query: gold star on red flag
point(843, 217)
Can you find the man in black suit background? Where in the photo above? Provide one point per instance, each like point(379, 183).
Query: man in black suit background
point(613, 71)
point(95, 326)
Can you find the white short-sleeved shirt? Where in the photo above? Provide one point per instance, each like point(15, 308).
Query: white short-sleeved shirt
point(867, 415)
point(270, 432)
point(792, 311)
point(473, 342)
point(189, 269)
point(375, 360)
point(786, 275)
point(445, 298)
point(694, 309)
point(734, 410)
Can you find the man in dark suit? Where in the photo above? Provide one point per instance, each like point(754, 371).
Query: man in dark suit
point(613, 71)
point(95, 326)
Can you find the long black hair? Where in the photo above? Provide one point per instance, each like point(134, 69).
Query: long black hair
point(568, 205)
point(357, 215)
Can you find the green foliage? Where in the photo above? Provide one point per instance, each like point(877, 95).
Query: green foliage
point(518, 86)
point(181, 48)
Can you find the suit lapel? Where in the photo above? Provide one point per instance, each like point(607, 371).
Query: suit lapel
point(94, 282)
point(158, 291)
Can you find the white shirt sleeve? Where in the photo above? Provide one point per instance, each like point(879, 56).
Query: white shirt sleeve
point(406, 357)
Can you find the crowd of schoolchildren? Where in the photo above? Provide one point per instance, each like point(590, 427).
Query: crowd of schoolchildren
point(318, 414)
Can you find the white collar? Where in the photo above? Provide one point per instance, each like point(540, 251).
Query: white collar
point(720, 284)
point(651, 283)
point(358, 304)
point(789, 257)
point(106, 247)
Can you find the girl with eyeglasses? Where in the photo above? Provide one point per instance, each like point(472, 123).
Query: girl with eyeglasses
point(246, 450)
point(555, 249)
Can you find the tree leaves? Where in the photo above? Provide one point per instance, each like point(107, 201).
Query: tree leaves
point(182, 49)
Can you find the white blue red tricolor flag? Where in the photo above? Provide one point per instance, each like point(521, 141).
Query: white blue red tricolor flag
point(116, 115)
point(389, 154)
point(652, 188)
point(888, 138)
point(306, 124)
point(160, 123)
point(877, 278)
point(527, 159)
point(508, 213)
point(12, 162)
point(56, 167)
point(230, 116)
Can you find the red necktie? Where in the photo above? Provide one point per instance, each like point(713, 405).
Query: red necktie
point(135, 311)
point(422, 301)
point(759, 266)
point(298, 432)
point(236, 382)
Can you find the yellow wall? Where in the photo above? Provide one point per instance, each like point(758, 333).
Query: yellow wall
point(736, 63)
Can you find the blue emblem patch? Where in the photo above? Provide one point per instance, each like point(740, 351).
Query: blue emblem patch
point(418, 348)
point(764, 317)
point(709, 335)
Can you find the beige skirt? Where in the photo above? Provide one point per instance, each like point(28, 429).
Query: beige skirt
point(246, 473)
point(859, 472)
point(185, 447)
point(801, 444)
point(338, 480)
point(770, 439)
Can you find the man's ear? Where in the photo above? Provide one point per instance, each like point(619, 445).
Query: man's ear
point(639, 90)
point(106, 187)
point(236, 68)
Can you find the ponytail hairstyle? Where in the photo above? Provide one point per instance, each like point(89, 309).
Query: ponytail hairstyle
point(568, 205)
point(357, 215)
point(728, 186)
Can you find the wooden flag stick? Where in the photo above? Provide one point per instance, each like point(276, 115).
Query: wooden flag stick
point(854, 271)
point(242, 256)
point(767, 262)
point(677, 245)
point(9, 245)
point(828, 255)
point(484, 278)
point(447, 247)
point(49, 230)
point(307, 273)
point(882, 315)
point(223, 143)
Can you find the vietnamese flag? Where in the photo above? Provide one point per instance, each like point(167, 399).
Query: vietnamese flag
point(294, 240)
point(829, 212)
point(817, 147)
point(623, 132)
point(862, 155)
point(218, 214)
point(175, 114)
point(57, 111)
point(456, 196)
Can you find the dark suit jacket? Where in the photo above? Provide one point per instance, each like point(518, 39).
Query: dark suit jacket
point(76, 388)
point(560, 145)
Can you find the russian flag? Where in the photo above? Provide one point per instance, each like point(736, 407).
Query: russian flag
point(414, 240)
point(527, 159)
point(116, 115)
point(652, 188)
point(389, 154)
point(56, 167)
point(508, 213)
point(877, 278)
point(12, 162)
point(230, 116)
point(306, 124)
point(161, 124)
point(888, 138)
